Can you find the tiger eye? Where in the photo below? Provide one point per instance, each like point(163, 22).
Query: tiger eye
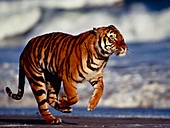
point(111, 36)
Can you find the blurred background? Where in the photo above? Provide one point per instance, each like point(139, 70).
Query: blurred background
point(139, 80)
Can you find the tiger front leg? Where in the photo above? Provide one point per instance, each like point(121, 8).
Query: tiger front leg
point(71, 93)
point(52, 98)
point(97, 83)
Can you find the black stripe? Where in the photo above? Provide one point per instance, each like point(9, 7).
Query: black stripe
point(80, 41)
point(43, 109)
point(81, 64)
point(56, 49)
point(99, 56)
point(88, 62)
point(60, 49)
point(42, 102)
point(104, 40)
point(73, 41)
point(94, 82)
point(91, 59)
point(84, 38)
point(66, 51)
point(51, 66)
point(36, 43)
point(35, 78)
point(41, 44)
point(80, 74)
point(77, 81)
point(90, 55)
point(32, 63)
point(31, 80)
point(52, 98)
point(46, 52)
point(52, 92)
point(53, 79)
point(30, 69)
point(102, 50)
point(59, 37)
point(57, 106)
point(99, 43)
point(82, 67)
point(53, 46)
point(39, 92)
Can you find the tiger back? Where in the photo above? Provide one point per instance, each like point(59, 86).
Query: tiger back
point(50, 59)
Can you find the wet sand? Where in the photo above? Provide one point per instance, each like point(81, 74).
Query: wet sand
point(78, 122)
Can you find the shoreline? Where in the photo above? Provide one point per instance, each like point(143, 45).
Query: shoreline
point(18, 121)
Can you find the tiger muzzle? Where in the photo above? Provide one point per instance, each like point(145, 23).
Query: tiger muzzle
point(121, 51)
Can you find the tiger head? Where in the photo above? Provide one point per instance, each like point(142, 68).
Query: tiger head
point(110, 41)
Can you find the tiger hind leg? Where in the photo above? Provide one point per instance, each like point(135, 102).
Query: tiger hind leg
point(53, 84)
point(39, 90)
point(52, 99)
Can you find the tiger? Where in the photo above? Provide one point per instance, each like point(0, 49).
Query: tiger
point(52, 58)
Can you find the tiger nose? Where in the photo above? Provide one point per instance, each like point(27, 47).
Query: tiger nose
point(124, 48)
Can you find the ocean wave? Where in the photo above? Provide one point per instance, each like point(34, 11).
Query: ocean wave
point(138, 25)
point(18, 23)
point(136, 22)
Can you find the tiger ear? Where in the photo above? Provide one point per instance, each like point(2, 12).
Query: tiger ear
point(95, 30)
point(111, 26)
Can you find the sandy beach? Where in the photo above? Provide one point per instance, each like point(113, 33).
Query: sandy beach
point(19, 121)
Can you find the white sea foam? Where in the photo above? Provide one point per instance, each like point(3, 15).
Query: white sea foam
point(18, 23)
point(138, 24)
point(51, 4)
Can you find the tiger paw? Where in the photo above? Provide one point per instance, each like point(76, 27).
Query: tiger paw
point(65, 109)
point(56, 121)
point(92, 104)
point(90, 107)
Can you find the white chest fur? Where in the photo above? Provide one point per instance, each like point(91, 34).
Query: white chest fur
point(93, 69)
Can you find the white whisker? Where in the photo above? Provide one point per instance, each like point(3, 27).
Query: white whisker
point(131, 50)
point(129, 53)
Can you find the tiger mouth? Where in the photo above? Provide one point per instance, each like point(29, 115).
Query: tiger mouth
point(121, 52)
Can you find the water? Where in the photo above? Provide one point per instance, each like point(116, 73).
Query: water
point(98, 112)
point(139, 21)
point(135, 85)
